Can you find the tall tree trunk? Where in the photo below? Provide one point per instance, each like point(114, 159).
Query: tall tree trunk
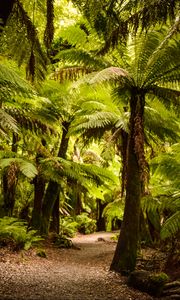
point(50, 198)
point(9, 188)
point(124, 259)
point(39, 189)
point(9, 181)
point(53, 189)
point(55, 217)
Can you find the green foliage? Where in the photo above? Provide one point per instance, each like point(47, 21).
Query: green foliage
point(20, 40)
point(25, 167)
point(86, 225)
point(11, 84)
point(68, 226)
point(114, 20)
point(7, 123)
point(15, 233)
point(61, 241)
point(41, 253)
point(171, 227)
point(113, 211)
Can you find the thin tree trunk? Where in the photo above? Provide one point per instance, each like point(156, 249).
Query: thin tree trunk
point(9, 182)
point(101, 226)
point(39, 189)
point(50, 198)
point(53, 189)
point(124, 259)
point(55, 217)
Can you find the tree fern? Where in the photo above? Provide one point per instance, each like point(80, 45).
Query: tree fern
point(114, 20)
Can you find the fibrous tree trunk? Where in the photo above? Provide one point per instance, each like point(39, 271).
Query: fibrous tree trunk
point(124, 259)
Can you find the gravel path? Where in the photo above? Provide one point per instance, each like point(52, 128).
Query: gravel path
point(65, 274)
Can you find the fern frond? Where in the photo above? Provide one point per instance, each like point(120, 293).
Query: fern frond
point(111, 73)
point(7, 122)
point(114, 20)
point(30, 119)
point(22, 42)
point(171, 227)
point(69, 73)
point(11, 84)
point(81, 172)
point(81, 57)
point(74, 35)
point(160, 123)
point(167, 95)
point(27, 168)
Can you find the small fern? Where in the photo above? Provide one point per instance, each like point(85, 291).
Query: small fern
point(14, 232)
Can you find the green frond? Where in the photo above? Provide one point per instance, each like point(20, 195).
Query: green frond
point(161, 124)
point(83, 173)
point(30, 119)
point(167, 95)
point(25, 167)
point(69, 73)
point(110, 74)
point(95, 121)
point(166, 167)
point(7, 123)
point(115, 19)
point(163, 63)
point(171, 227)
point(113, 210)
point(151, 204)
point(20, 40)
point(74, 35)
point(80, 57)
point(11, 84)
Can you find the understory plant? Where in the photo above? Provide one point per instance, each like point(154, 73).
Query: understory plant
point(15, 233)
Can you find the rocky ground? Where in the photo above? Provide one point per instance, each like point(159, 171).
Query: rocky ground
point(67, 274)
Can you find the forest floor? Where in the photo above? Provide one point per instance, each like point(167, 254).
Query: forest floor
point(80, 273)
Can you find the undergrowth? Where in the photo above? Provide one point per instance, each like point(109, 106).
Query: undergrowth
point(15, 234)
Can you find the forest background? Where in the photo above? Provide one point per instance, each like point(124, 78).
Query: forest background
point(89, 122)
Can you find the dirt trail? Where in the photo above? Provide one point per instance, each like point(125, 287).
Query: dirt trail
point(65, 274)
